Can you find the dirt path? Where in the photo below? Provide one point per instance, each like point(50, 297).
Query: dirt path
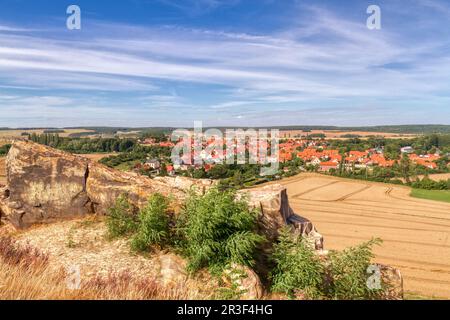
point(416, 232)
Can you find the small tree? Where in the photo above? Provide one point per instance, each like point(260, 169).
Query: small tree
point(153, 224)
point(121, 219)
point(297, 267)
point(217, 230)
point(347, 273)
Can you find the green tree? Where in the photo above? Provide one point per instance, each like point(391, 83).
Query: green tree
point(153, 229)
point(218, 229)
point(406, 168)
point(297, 267)
point(121, 219)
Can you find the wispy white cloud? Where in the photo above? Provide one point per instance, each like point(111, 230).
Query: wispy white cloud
point(323, 59)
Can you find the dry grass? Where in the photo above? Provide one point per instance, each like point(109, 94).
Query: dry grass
point(108, 271)
point(39, 283)
point(416, 232)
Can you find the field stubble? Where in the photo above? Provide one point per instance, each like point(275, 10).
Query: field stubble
point(416, 232)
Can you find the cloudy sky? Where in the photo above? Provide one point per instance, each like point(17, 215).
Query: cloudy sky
point(224, 62)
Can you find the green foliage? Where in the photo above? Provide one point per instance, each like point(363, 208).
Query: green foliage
point(84, 145)
point(342, 275)
point(121, 220)
point(233, 291)
point(428, 184)
point(153, 224)
point(217, 230)
point(137, 155)
point(347, 273)
point(436, 195)
point(297, 267)
point(4, 149)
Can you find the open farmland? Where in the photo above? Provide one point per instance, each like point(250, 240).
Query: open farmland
point(14, 134)
point(336, 134)
point(416, 232)
point(97, 156)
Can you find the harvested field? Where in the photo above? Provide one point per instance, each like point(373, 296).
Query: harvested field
point(416, 232)
point(97, 156)
point(14, 134)
point(335, 134)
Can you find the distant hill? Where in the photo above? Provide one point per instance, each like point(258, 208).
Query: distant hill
point(401, 129)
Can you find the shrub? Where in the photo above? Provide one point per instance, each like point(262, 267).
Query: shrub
point(153, 224)
point(121, 220)
point(342, 275)
point(216, 230)
point(347, 273)
point(297, 267)
point(4, 149)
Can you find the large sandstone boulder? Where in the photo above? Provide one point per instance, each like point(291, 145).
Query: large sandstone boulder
point(393, 280)
point(171, 270)
point(244, 281)
point(273, 204)
point(46, 185)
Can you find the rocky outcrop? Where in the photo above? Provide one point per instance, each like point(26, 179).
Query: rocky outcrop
point(393, 282)
point(273, 204)
point(244, 281)
point(46, 185)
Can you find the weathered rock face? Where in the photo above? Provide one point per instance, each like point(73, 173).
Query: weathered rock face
point(272, 201)
point(245, 281)
point(393, 279)
point(46, 185)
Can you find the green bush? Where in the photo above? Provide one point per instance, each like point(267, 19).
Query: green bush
point(121, 220)
point(216, 230)
point(342, 275)
point(428, 184)
point(347, 273)
point(4, 149)
point(297, 267)
point(154, 223)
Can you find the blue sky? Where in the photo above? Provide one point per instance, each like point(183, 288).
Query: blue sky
point(226, 63)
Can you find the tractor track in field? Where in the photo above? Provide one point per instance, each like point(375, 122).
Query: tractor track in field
point(416, 232)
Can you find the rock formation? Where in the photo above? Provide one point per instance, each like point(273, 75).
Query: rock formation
point(46, 185)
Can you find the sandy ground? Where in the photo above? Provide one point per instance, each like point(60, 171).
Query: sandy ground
point(416, 232)
point(335, 134)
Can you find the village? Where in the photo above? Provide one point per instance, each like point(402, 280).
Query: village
point(313, 154)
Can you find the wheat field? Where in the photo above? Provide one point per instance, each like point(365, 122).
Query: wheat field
point(416, 232)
